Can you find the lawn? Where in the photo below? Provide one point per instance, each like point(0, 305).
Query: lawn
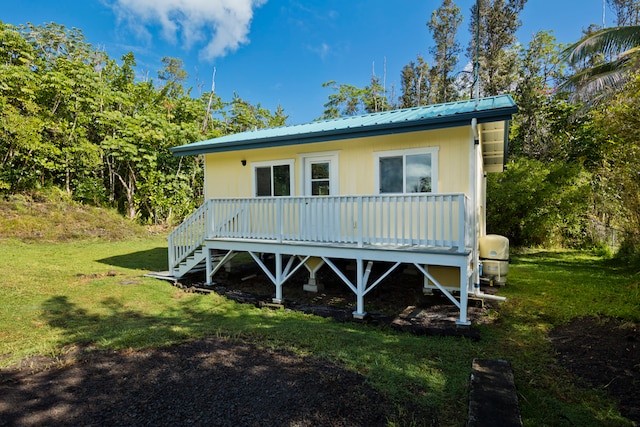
point(92, 293)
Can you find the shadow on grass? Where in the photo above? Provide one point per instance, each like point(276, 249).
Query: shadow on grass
point(153, 259)
point(206, 382)
point(233, 376)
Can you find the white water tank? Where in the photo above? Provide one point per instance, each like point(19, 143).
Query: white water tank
point(494, 258)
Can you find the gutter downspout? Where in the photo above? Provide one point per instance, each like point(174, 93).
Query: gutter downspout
point(476, 216)
point(475, 260)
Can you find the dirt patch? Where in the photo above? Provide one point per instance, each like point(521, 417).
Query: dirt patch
point(603, 353)
point(207, 382)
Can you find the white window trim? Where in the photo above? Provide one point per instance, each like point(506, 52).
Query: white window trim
point(332, 156)
point(397, 153)
point(289, 162)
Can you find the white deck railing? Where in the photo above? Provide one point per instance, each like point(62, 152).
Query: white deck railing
point(436, 221)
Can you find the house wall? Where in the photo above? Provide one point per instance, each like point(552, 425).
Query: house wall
point(225, 176)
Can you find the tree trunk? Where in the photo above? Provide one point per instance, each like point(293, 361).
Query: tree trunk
point(130, 189)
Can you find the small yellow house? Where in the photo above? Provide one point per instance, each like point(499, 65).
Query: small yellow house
point(399, 187)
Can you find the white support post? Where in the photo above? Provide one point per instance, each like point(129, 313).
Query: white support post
point(278, 299)
point(360, 288)
point(209, 270)
point(464, 296)
point(313, 285)
point(281, 275)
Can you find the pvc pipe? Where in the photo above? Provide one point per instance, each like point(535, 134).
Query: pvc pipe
point(489, 296)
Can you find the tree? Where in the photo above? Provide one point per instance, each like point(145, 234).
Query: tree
point(619, 50)
point(627, 12)
point(350, 100)
point(537, 203)
point(619, 125)
point(444, 25)
point(73, 118)
point(20, 124)
point(539, 72)
point(52, 41)
point(50, 77)
point(172, 76)
point(245, 116)
point(346, 100)
point(414, 84)
point(374, 96)
point(494, 24)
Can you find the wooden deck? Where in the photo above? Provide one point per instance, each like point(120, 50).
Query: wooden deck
point(421, 230)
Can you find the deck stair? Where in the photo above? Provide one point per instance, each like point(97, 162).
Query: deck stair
point(186, 243)
point(191, 264)
point(196, 262)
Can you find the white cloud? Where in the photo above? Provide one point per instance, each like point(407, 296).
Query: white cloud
point(221, 25)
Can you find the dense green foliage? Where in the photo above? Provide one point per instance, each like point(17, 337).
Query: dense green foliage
point(73, 118)
point(619, 184)
point(538, 203)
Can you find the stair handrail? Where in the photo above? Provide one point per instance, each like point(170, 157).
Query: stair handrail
point(190, 234)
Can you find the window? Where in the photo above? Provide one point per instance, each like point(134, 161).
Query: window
point(319, 174)
point(273, 178)
point(407, 171)
point(320, 183)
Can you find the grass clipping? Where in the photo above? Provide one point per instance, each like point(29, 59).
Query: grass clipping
point(45, 220)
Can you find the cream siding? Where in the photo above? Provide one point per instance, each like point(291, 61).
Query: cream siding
point(227, 177)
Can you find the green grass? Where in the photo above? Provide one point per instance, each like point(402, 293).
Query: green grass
point(91, 293)
point(547, 289)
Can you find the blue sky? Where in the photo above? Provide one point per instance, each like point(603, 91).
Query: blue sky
point(281, 51)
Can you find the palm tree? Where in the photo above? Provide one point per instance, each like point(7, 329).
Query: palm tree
point(605, 60)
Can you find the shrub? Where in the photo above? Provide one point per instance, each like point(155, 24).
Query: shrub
point(540, 204)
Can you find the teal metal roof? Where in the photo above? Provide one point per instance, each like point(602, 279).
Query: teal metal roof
point(497, 108)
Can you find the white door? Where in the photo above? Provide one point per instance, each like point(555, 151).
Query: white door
point(319, 179)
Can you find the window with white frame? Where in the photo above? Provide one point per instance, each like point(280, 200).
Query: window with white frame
point(273, 178)
point(407, 171)
point(319, 173)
